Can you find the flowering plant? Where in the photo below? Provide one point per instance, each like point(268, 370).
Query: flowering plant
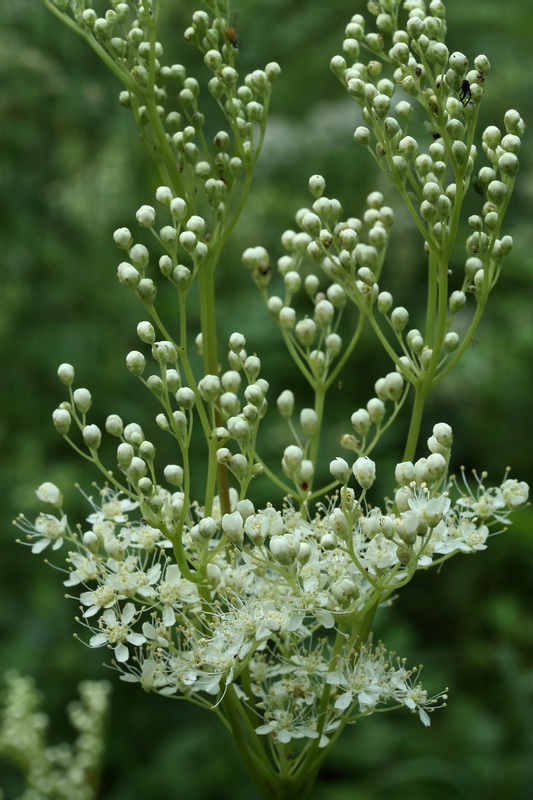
point(264, 615)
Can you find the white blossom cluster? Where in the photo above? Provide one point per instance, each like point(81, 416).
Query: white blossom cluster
point(269, 592)
point(65, 771)
point(265, 615)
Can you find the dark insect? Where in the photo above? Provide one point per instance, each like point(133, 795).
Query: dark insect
point(264, 269)
point(431, 131)
point(465, 95)
point(481, 77)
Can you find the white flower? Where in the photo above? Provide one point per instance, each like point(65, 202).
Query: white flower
point(487, 504)
point(514, 493)
point(380, 553)
point(86, 568)
point(102, 597)
point(430, 510)
point(115, 630)
point(49, 529)
point(112, 508)
point(285, 725)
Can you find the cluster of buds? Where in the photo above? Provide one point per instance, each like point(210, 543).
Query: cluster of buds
point(449, 93)
point(240, 420)
point(166, 100)
point(313, 339)
point(185, 237)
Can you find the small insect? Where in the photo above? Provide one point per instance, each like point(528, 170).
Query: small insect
point(431, 131)
point(481, 77)
point(231, 33)
point(264, 269)
point(465, 95)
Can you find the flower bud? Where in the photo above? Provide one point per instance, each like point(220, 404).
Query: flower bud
point(285, 403)
point(451, 341)
point(459, 63)
point(305, 331)
point(317, 184)
point(364, 470)
point(284, 548)
point(137, 469)
point(384, 302)
point(376, 410)
point(61, 419)
point(136, 363)
point(92, 436)
point(399, 318)
point(404, 473)
point(146, 216)
point(443, 434)
point(209, 387)
point(292, 457)
point(82, 400)
point(49, 493)
point(436, 464)
point(233, 527)
point(185, 397)
point(324, 311)
point(457, 301)
point(309, 421)
point(361, 421)
point(123, 238)
point(65, 373)
point(362, 136)
point(333, 345)
point(340, 470)
point(287, 318)
point(173, 474)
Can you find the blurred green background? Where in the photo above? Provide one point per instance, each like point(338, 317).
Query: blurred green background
point(71, 171)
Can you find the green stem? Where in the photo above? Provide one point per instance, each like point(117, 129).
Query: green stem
point(421, 392)
point(257, 764)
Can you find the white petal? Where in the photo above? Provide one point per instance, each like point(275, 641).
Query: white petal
point(39, 546)
point(343, 701)
point(121, 652)
point(128, 613)
point(136, 639)
point(169, 618)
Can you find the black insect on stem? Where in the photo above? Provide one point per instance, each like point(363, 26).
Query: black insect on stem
point(465, 95)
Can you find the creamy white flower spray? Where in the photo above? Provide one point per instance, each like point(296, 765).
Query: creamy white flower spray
point(264, 615)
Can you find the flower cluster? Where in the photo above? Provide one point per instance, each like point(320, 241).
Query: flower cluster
point(274, 596)
point(264, 615)
point(65, 771)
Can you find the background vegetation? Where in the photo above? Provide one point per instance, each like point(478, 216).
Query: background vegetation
point(72, 170)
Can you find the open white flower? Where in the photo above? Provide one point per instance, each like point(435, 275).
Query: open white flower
point(116, 631)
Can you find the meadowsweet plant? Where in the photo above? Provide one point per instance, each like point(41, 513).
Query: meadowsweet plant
point(264, 615)
point(60, 772)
